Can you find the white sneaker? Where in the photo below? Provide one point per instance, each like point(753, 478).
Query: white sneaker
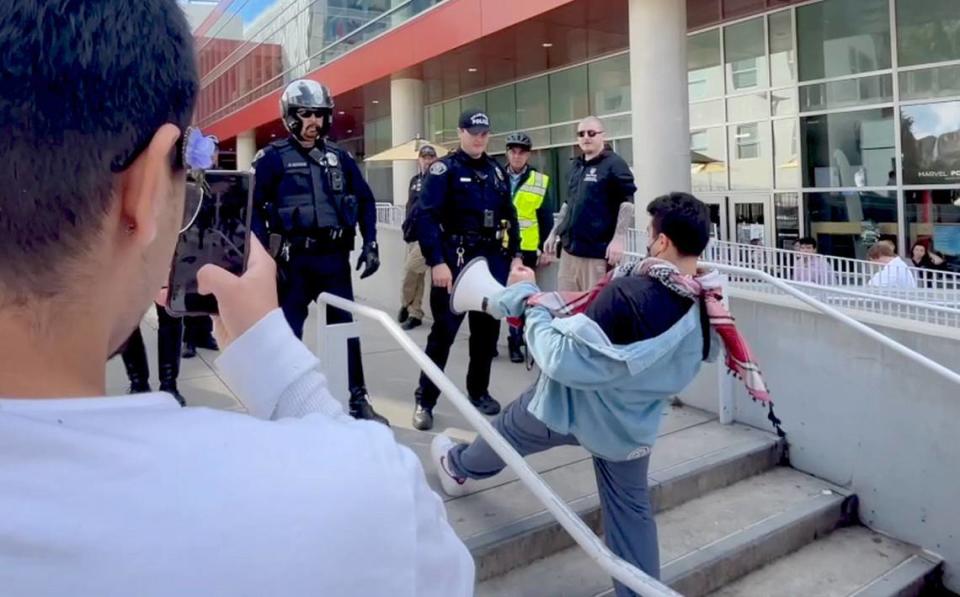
point(452, 485)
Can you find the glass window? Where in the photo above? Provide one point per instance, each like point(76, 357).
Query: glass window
point(708, 165)
point(433, 122)
point(930, 83)
point(609, 82)
point(931, 143)
point(839, 220)
point(933, 218)
point(783, 60)
point(747, 139)
point(751, 160)
point(928, 31)
point(624, 147)
point(502, 109)
point(451, 120)
point(533, 103)
point(706, 113)
point(843, 37)
point(783, 102)
point(704, 68)
point(746, 55)
point(564, 160)
point(747, 107)
point(848, 149)
point(846, 93)
point(699, 141)
point(618, 126)
point(377, 135)
point(563, 134)
point(786, 210)
point(380, 178)
point(477, 101)
point(786, 153)
point(569, 99)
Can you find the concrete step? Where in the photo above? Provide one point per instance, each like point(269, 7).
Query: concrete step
point(505, 527)
point(704, 543)
point(851, 562)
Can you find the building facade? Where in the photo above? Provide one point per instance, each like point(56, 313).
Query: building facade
point(838, 119)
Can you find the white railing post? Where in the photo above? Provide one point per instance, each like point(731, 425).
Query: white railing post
point(331, 349)
point(725, 387)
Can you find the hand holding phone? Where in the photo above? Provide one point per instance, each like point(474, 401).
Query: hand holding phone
point(216, 230)
point(243, 300)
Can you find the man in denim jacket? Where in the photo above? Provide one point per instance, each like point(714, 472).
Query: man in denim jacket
point(606, 376)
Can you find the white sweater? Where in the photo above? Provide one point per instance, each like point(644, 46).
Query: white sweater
point(136, 496)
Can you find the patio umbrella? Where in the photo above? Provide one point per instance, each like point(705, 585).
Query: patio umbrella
point(406, 151)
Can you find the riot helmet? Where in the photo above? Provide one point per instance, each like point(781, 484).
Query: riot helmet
point(309, 95)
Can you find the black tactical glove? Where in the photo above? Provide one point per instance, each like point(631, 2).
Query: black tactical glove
point(369, 260)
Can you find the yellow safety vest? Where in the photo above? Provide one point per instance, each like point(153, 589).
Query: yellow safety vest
point(527, 200)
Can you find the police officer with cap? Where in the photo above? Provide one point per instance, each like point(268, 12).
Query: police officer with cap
point(309, 198)
point(465, 212)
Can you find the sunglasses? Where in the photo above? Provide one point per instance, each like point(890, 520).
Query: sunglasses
point(307, 113)
point(590, 134)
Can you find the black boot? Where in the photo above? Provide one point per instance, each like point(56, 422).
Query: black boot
point(169, 339)
point(134, 357)
point(515, 343)
point(486, 404)
point(423, 418)
point(361, 409)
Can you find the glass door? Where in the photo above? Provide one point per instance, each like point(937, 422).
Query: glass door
point(717, 204)
point(749, 222)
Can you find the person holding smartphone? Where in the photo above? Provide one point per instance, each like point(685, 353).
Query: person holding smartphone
point(133, 495)
point(198, 329)
point(310, 197)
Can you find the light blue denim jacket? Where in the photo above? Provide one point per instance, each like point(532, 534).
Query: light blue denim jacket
point(610, 397)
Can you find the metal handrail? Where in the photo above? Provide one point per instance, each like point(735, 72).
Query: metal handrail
point(868, 296)
point(843, 268)
point(616, 567)
point(838, 315)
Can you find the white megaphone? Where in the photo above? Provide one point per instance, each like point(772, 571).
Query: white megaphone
point(474, 287)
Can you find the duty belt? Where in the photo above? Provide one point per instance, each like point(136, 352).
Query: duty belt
point(321, 236)
point(472, 240)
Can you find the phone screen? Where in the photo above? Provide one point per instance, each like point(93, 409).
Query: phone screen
point(216, 230)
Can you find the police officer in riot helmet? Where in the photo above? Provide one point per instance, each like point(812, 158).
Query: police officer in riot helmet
point(465, 211)
point(309, 199)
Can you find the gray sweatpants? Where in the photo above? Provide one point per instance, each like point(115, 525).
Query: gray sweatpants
point(629, 527)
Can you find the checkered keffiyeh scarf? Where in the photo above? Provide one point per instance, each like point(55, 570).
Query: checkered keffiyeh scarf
point(705, 286)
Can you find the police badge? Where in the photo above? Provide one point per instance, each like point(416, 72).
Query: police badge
point(438, 168)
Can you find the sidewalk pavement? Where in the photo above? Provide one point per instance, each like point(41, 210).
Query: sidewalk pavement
point(390, 373)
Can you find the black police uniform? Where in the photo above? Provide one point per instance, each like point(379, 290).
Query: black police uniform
point(169, 336)
point(312, 200)
point(597, 188)
point(464, 212)
point(409, 227)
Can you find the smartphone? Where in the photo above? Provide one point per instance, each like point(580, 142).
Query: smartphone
point(216, 229)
